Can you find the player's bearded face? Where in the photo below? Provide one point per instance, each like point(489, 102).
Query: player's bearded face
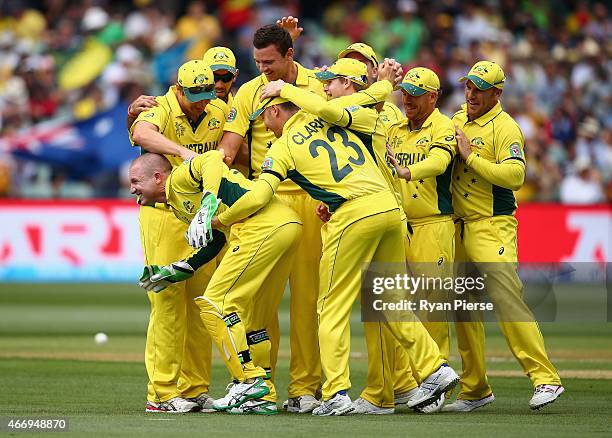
point(417, 107)
point(271, 63)
point(478, 101)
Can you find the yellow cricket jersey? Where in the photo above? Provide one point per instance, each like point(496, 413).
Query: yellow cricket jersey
point(428, 194)
point(204, 173)
point(257, 136)
point(332, 164)
point(391, 115)
point(495, 138)
point(174, 124)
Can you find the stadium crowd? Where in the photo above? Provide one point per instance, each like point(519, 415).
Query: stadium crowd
point(68, 60)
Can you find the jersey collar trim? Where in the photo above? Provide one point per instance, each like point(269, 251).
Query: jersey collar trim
point(487, 117)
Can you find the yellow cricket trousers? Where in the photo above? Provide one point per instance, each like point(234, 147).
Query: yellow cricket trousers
point(178, 347)
point(362, 230)
point(243, 295)
point(491, 244)
point(389, 367)
point(305, 362)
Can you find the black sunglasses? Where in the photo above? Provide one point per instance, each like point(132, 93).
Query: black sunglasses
point(198, 90)
point(227, 77)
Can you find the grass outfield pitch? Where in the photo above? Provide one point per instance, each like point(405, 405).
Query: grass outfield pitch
point(51, 367)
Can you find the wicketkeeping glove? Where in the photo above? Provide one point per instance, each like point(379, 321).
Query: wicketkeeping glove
point(199, 233)
point(157, 278)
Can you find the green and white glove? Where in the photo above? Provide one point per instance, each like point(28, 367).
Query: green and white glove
point(199, 233)
point(156, 278)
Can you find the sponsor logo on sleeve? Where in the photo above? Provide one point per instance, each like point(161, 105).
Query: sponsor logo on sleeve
point(515, 150)
point(231, 116)
point(267, 164)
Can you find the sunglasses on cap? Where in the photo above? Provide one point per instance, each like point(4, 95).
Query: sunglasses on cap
point(227, 77)
point(198, 90)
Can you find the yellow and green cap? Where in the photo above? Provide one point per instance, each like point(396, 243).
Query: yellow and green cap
point(362, 48)
point(197, 81)
point(354, 70)
point(265, 104)
point(486, 74)
point(419, 81)
point(220, 58)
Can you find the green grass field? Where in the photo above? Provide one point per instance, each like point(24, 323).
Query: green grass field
point(51, 367)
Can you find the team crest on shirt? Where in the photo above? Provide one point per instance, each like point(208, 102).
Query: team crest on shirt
point(267, 164)
point(213, 123)
point(188, 206)
point(180, 129)
point(231, 116)
point(478, 141)
point(422, 141)
point(515, 150)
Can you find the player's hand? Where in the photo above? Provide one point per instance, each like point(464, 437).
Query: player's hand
point(290, 24)
point(272, 89)
point(402, 172)
point(157, 278)
point(464, 148)
point(323, 212)
point(390, 70)
point(199, 233)
point(187, 154)
point(142, 102)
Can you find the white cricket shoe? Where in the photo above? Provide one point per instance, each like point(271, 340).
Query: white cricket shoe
point(239, 393)
point(176, 405)
point(461, 405)
point(433, 386)
point(364, 407)
point(436, 406)
point(255, 406)
point(337, 405)
point(205, 402)
point(544, 395)
point(404, 397)
point(302, 404)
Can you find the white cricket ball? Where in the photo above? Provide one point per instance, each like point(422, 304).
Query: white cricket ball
point(101, 338)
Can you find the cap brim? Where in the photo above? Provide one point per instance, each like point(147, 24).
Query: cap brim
point(229, 68)
point(367, 56)
point(480, 83)
point(412, 89)
point(197, 97)
point(258, 112)
point(325, 75)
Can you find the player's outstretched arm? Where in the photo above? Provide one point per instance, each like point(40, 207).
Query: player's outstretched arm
point(147, 136)
point(257, 198)
point(230, 143)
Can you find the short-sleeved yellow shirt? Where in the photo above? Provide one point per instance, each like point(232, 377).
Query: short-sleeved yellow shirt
point(496, 137)
point(332, 164)
point(257, 136)
point(174, 124)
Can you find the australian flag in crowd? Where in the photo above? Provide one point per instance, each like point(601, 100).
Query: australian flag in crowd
point(80, 149)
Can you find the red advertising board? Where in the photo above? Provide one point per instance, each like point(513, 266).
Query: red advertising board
point(100, 240)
